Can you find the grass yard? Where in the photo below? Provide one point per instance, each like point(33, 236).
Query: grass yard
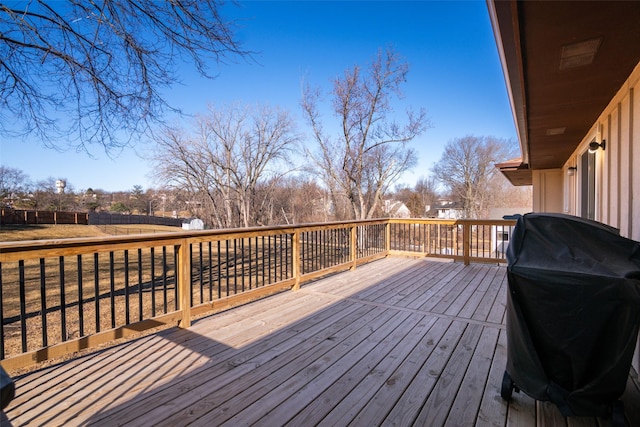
point(14, 233)
point(45, 301)
point(110, 271)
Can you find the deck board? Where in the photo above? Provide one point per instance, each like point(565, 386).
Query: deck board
point(398, 341)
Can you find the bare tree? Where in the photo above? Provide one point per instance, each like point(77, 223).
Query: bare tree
point(417, 199)
point(297, 199)
point(506, 195)
point(46, 196)
point(230, 164)
point(427, 193)
point(92, 72)
point(467, 169)
point(372, 150)
point(13, 183)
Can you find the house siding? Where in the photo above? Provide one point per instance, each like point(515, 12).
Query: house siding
point(617, 167)
point(617, 180)
point(547, 190)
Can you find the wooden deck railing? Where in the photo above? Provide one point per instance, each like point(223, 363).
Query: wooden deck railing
point(61, 296)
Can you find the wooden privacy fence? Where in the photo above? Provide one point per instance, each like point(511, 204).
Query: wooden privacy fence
point(29, 217)
point(61, 296)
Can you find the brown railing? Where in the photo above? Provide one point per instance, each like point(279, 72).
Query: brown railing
point(461, 240)
point(61, 296)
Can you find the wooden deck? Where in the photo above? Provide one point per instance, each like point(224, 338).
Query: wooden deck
point(395, 342)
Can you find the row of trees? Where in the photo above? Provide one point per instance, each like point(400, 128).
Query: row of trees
point(234, 161)
point(18, 191)
point(233, 158)
point(104, 64)
point(285, 198)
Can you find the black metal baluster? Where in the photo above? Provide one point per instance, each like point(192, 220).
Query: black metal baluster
point(317, 250)
point(226, 268)
point(80, 298)
point(363, 238)
point(250, 265)
point(96, 289)
point(126, 288)
point(309, 251)
point(23, 306)
point(219, 271)
point(210, 272)
point(269, 260)
point(339, 245)
point(200, 274)
point(175, 279)
point(263, 260)
point(152, 255)
point(301, 244)
point(112, 289)
point(140, 316)
point(235, 266)
point(407, 237)
point(192, 264)
point(368, 236)
point(276, 249)
point(43, 304)
point(164, 279)
point(287, 240)
point(242, 261)
point(325, 252)
point(257, 262)
point(279, 256)
point(63, 304)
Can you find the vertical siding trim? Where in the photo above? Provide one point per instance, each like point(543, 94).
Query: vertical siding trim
point(630, 169)
point(618, 167)
point(608, 219)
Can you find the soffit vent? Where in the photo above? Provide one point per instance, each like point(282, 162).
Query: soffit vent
point(556, 131)
point(579, 54)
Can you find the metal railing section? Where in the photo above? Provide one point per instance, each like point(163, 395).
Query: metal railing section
point(61, 296)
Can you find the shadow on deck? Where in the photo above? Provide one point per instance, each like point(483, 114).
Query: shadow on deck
point(395, 342)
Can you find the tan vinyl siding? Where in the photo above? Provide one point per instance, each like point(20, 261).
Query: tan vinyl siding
point(617, 167)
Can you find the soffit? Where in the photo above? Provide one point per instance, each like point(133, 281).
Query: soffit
point(556, 101)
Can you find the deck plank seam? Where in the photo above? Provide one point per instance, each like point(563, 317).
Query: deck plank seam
point(423, 312)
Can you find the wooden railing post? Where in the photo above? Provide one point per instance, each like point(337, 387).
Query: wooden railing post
point(466, 242)
point(297, 261)
point(184, 284)
point(354, 246)
point(387, 237)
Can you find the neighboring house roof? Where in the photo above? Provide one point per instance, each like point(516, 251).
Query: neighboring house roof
point(396, 209)
point(445, 209)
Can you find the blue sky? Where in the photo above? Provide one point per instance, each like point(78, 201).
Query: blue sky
point(455, 74)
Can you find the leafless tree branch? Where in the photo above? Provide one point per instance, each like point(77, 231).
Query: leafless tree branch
point(76, 73)
point(372, 150)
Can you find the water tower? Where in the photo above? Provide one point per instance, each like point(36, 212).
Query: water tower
point(60, 185)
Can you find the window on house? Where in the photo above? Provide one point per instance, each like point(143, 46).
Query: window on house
point(588, 185)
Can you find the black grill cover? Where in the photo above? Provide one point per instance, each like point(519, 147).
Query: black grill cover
point(573, 311)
